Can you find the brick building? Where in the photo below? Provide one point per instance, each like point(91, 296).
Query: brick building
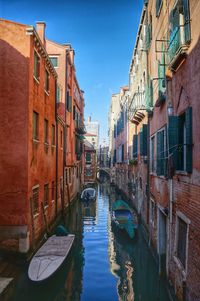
point(164, 109)
point(70, 103)
point(90, 163)
point(28, 136)
point(173, 57)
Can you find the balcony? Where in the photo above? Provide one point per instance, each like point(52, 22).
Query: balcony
point(137, 105)
point(178, 45)
point(79, 127)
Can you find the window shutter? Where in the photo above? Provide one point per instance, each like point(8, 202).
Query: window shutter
point(188, 124)
point(69, 102)
point(145, 139)
point(173, 129)
point(141, 143)
point(159, 172)
point(135, 146)
point(186, 11)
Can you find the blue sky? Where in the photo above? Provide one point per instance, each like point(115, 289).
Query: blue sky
point(102, 34)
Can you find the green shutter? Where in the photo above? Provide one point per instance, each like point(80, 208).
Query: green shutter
point(145, 139)
point(188, 125)
point(141, 143)
point(158, 154)
point(135, 146)
point(173, 129)
point(187, 21)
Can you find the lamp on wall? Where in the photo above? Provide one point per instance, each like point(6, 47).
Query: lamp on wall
point(170, 110)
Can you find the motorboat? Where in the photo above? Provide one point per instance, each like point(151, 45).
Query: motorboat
point(49, 258)
point(123, 218)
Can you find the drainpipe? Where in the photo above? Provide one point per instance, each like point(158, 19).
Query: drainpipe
point(56, 204)
point(65, 136)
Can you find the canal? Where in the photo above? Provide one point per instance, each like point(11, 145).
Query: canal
point(103, 264)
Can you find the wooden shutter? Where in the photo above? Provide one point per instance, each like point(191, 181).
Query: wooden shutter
point(160, 154)
point(135, 146)
point(186, 12)
point(188, 125)
point(173, 128)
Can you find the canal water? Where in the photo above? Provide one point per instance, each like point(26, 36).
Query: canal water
point(103, 265)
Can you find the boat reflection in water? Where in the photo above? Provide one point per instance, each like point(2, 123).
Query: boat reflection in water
point(103, 264)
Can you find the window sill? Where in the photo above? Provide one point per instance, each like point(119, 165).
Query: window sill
point(53, 146)
point(181, 172)
point(36, 79)
point(35, 215)
point(45, 207)
point(46, 144)
point(53, 201)
point(46, 92)
point(36, 141)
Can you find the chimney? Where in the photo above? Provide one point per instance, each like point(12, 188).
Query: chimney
point(40, 28)
point(89, 119)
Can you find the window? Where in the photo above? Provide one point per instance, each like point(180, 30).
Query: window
point(46, 131)
point(66, 176)
point(46, 81)
point(88, 158)
point(179, 25)
point(181, 241)
point(36, 65)
point(158, 7)
point(61, 138)
point(57, 94)
point(70, 176)
point(153, 161)
point(35, 125)
point(180, 140)
point(53, 135)
point(53, 191)
point(88, 172)
point(69, 102)
point(46, 194)
point(35, 199)
point(152, 212)
point(122, 152)
point(54, 60)
point(143, 140)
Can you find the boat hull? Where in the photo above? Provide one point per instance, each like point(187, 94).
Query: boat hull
point(50, 257)
point(123, 218)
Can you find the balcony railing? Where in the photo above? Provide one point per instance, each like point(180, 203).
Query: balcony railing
point(79, 126)
point(178, 44)
point(138, 103)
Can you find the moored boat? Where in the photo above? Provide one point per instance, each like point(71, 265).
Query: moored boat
point(123, 217)
point(88, 194)
point(50, 257)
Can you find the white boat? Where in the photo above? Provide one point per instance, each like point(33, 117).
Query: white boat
point(88, 194)
point(50, 257)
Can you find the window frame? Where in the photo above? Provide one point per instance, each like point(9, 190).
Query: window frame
point(35, 135)
point(153, 164)
point(53, 191)
point(36, 66)
point(54, 57)
point(46, 195)
point(158, 10)
point(35, 211)
point(184, 269)
point(53, 136)
point(46, 131)
point(46, 81)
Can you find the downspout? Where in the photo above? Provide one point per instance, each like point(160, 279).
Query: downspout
point(56, 115)
point(65, 137)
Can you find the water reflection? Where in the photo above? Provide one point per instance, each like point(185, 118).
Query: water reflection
point(104, 265)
